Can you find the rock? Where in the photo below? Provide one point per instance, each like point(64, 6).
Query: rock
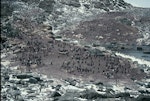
point(71, 81)
point(132, 78)
point(69, 96)
point(122, 95)
point(87, 47)
point(6, 77)
point(95, 45)
point(127, 88)
point(122, 4)
point(16, 93)
point(50, 81)
point(12, 81)
point(58, 37)
point(146, 52)
point(32, 80)
point(32, 96)
point(47, 5)
point(38, 79)
point(3, 39)
point(55, 94)
point(110, 91)
point(63, 52)
point(142, 70)
point(99, 83)
point(23, 76)
point(17, 51)
point(58, 87)
point(33, 66)
point(6, 9)
point(20, 98)
point(122, 47)
point(143, 98)
point(98, 5)
point(148, 85)
point(74, 3)
point(86, 6)
point(140, 83)
point(21, 82)
point(139, 48)
point(4, 96)
point(31, 91)
point(144, 91)
point(91, 94)
point(31, 1)
point(15, 88)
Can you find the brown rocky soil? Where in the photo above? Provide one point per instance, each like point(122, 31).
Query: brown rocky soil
point(106, 28)
point(60, 59)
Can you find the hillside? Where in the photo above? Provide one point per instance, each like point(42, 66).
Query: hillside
point(74, 50)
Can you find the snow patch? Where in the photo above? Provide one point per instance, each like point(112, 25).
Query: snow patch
point(3, 55)
point(140, 61)
point(70, 87)
point(5, 63)
point(118, 88)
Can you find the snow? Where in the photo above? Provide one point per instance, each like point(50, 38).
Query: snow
point(140, 61)
point(70, 87)
point(145, 39)
point(118, 88)
point(5, 63)
point(3, 55)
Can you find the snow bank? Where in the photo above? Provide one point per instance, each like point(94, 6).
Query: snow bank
point(140, 61)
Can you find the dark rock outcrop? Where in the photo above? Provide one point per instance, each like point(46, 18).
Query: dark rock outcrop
point(47, 5)
point(23, 76)
point(56, 94)
point(74, 3)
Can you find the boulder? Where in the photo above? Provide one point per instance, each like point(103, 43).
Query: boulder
point(47, 5)
point(91, 94)
point(31, 1)
point(58, 87)
point(99, 5)
point(140, 83)
point(139, 48)
point(69, 96)
point(3, 39)
point(144, 91)
point(32, 80)
point(146, 52)
point(87, 6)
point(74, 3)
point(38, 78)
point(99, 83)
point(143, 98)
point(148, 85)
point(71, 81)
point(23, 76)
point(95, 45)
point(55, 94)
point(6, 77)
point(6, 9)
point(122, 95)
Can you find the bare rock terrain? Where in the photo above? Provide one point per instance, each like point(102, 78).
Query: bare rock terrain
point(73, 50)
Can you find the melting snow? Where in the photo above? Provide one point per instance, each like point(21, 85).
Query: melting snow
point(140, 61)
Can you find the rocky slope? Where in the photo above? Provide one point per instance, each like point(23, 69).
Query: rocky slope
point(61, 13)
point(31, 86)
point(70, 41)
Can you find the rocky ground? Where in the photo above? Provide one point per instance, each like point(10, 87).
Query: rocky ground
point(22, 80)
point(68, 50)
point(31, 86)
